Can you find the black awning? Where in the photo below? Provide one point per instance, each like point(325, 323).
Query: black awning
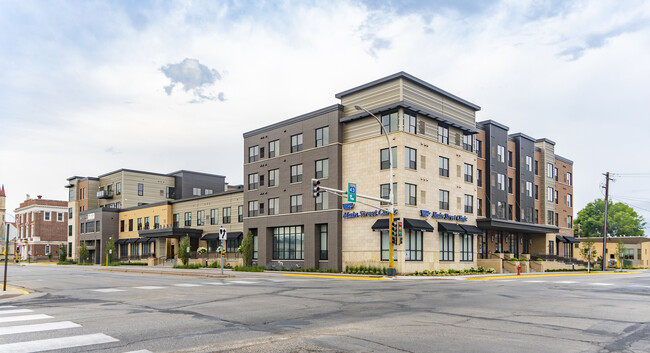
point(560, 239)
point(450, 227)
point(144, 240)
point(417, 224)
point(513, 226)
point(572, 240)
point(132, 240)
point(234, 235)
point(120, 241)
point(170, 233)
point(380, 224)
point(469, 229)
point(210, 236)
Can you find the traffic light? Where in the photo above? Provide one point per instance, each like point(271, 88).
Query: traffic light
point(17, 249)
point(316, 184)
point(399, 233)
point(396, 233)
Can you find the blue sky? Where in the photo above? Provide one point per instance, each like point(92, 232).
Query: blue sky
point(162, 86)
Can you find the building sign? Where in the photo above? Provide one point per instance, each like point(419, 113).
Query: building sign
point(348, 206)
point(445, 216)
point(91, 216)
point(366, 214)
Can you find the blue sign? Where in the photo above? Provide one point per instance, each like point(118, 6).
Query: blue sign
point(348, 206)
point(445, 216)
point(366, 214)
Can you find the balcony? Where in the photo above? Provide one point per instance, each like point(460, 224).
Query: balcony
point(105, 194)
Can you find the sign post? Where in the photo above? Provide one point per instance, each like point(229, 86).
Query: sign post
point(223, 233)
point(4, 285)
point(352, 192)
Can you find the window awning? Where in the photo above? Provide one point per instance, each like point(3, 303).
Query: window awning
point(450, 227)
point(210, 236)
point(380, 224)
point(572, 240)
point(132, 240)
point(234, 235)
point(144, 240)
point(469, 229)
point(417, 224)
point(560, 239)
point(120, 241)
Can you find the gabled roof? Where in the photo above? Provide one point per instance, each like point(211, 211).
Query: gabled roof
point(2, 190)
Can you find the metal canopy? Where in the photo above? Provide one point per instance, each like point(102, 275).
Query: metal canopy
point(450, 227)
point(417, 224)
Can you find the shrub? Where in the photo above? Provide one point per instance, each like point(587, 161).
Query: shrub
point(247, 249)
point(538, 259)
point(523, 259)
point(514, 259)
point(183, 254)
point(188, 266)
point(215, 264)
point(84, 253)
point(84, 264)
point(63, 256)
point(248, 268)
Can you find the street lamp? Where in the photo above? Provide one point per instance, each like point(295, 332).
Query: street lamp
point(390, 189)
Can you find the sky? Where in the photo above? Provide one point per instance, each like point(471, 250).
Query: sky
point(88, 87)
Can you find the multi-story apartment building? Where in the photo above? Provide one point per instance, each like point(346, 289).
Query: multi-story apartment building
point(41, 227)
point(439, 180)
point(125, 188)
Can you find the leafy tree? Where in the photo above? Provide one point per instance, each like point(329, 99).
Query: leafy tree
point(622, 220)
point(110, 249)
point(183, 254)
point(63, 256)
point(586, 246)
point(83, 252)
point(246, 249)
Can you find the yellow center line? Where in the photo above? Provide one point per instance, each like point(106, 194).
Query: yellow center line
point(338, 277)
point(18, 289)
point(550, 275)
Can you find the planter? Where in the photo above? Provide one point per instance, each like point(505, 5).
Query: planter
point(525, 256)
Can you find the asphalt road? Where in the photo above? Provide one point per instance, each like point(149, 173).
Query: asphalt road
point(272, 312)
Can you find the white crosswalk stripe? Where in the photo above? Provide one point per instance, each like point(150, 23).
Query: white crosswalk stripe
point(15, 311)
point(7, 306)
point(601, 284)
point(24, 318)
point(187, 285)
point(216, 283)
point(57, 343)
point(149, 287)
point(243, 282)
point(565, 282)
point(109, 290)
point(37, 327)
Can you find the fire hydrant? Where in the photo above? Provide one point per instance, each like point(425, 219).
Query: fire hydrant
point(518, 270)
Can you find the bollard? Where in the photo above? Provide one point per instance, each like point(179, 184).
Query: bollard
point(518, 270)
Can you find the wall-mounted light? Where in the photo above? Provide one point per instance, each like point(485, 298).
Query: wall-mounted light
point(493, 238)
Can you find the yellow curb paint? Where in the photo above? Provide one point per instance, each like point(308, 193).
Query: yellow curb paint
point(18, 289)
point(338, 277)
point(550, 275)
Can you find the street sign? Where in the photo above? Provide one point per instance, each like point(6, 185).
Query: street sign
point(352, 192)
point(222, 233)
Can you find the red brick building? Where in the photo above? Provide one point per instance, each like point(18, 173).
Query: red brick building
point(42, 227)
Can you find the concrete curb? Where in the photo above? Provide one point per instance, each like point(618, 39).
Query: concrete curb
point(12, 292)
point(170, 272)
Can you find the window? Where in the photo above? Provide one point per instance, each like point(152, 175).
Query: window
point(468, 142)
point(121, 226)
point(130, 225)
point(479, 207)
point(509, 158)
point(296, 173)
point(323, 241)
point(501, 182)
point(444, 200)
point(296, 143)
point(47, 216)
point(446, 246)
point(232, 245)
point(188, 219)
point(466, 247)
point(226, 215)
point(253, 208)
point(479, 177)
point(118, 188)
point(321, 201)
point(385, 162)
point(274, 206)
point(171, 192)
point(479, 148)
point(274, 148)
point(410, 123)
point(288, 243)
point(156, 222)
point(469, 173)
point(70, 229)
point(296, 203)
point(569, 200)
point(177, 220)
point(124, 250)
point(410, 193)
point(71, 195)
point(261, 152)
point(255, 246)
point(549, 217)
point(568, 178)
point(139, 223)
point(550, 194)
point(146, 223)
point(200, 218)
point(322, 136)
point(569, 221)
point(549, 170)
point(253, 154)
point(443, 166)
point(322, 169)
point(196, 191)
point(501, 210)
point(240, 212)
point(90, 227)
point(146, 249)
point(274, 177)
point(384, 193)
point(536, 217)
point(500, 153)
point(529, 163)
point(529, 189)
point(59, 217)
point(140, 189)
point(411, 155)
point(253, 181)
point(118, 205)
point(536, 192)
point(510, 212)
point(135, 249)
point(214, 216)
point(469, 203)
point(510, 185)
point(555, 197)
point(389, 121)
point(81, 230)
point(555, 173)
point(208, 192)
point(413, 245)
point(385, 244)
point(443, 134)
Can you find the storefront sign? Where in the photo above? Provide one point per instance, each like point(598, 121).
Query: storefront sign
point(348, 206)
point(446, 216)
point(366, 214)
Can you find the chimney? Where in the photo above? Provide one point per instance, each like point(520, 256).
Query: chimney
point(40, 196)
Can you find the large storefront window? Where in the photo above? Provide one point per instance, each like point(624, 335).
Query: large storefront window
point(466, 247)
point(323, 241)
point(385, 244)
point(513, 244)
point(482, 246)
point(413, 245)
point(446, 246)
point(124, 250)
point(146, 249)
point(232, 245)
point(135, 249)
point(288, 243)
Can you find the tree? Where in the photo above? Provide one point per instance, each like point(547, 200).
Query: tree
point(247, 249)
point(183, 254)
point(620, 252)
point(588, 245)
point(622, 220)
point(110, 249)
point(83, 252)
point(63, 256)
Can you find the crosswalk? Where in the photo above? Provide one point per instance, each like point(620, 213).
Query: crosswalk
point(552, 282)
point(178, 285)
point(17, 323)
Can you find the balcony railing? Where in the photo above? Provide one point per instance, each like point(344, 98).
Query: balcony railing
point(105, 194)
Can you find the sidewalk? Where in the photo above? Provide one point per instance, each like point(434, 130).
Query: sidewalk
point(11, 292)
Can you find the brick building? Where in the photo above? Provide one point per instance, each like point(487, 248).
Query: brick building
point(41, 227)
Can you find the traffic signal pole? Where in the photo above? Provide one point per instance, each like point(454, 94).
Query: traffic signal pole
point(4, 286)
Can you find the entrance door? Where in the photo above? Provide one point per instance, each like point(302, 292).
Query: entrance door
point(173, 252)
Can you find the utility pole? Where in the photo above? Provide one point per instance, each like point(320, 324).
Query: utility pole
point(605, 226)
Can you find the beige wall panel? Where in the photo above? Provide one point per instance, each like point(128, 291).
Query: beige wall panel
point(153, 184)
point(421, 96)
point(213, 202)
point(375, 97)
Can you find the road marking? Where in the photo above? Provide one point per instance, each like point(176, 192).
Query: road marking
point(533, 281)
point(507, 280)
point(187, 285)
point(216, 283)
point(10, 330)
point(149, 287)
point(601, 284)
point(18, 289)
point(109, 290)
point(15, 311)
point(338, 277)
point(7, 306)
point(565, 282)
point(548, 275)
point(56, 343)
point(243, 282)
point(24, 318)
point(140, 351)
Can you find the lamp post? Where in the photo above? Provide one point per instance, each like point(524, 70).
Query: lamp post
point(391, 248)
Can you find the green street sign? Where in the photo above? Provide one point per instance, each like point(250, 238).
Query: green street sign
point(352, 192)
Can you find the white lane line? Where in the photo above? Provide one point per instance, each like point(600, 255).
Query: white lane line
point(56, 343)
point(601, 284)
point(10, 330)
point(535, 281)
point(149, 287)
point(108, 290)
point(15, 311)
point(565, 282)
point(243, 282)
point(7, 306)
point(187, 285)
point(505, 280)
point(140, 351)
point(24, 318)
point(216, 283)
